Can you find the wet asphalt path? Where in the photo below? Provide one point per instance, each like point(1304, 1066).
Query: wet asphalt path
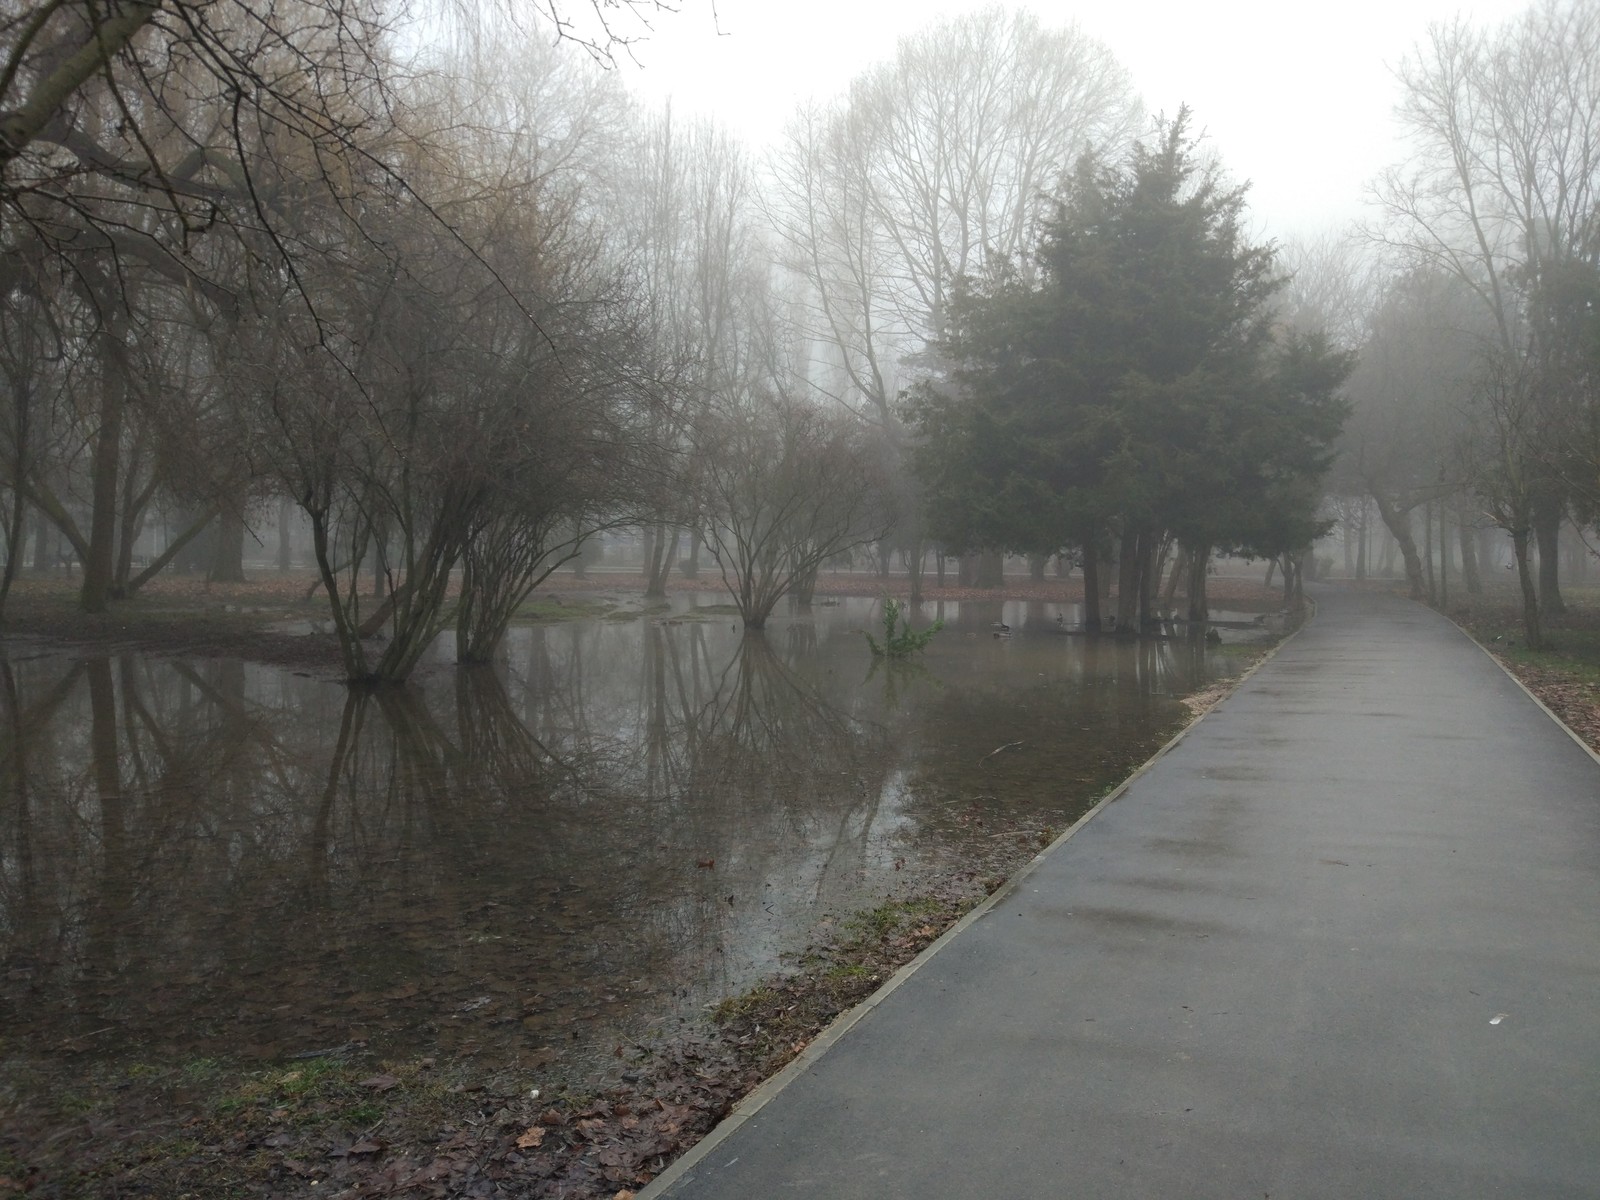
point(1342, 941)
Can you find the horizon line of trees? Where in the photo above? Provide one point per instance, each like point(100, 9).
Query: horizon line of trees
point(467, 306)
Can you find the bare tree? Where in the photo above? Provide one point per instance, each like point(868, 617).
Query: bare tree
point(1501, 193)
point(787, 486)
point(930, 168)
point(701, 272)
point(1412, 391)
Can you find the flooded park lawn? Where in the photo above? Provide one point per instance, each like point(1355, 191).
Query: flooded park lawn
point(209, 866)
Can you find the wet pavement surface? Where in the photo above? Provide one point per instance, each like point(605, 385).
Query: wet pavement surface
point(1342, 940)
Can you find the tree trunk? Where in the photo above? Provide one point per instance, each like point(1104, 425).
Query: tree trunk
point(1469, 557)
point(1398, 523)
point(1147, 580)
point(1199, 612)
point(805, 587)
point(41, 545)
point(1091, 587)
point(662, 545)
point(1530, 595)
point(285, 516)
point(1128, 563)
point(99, 566)
point(227, 550)
point(1427, 552)
point(1547, 532)
point(1036, 566)
point(1444, 559)
point(986, 569)
point(16, 543)
point(1361, 544)
point(130, 521)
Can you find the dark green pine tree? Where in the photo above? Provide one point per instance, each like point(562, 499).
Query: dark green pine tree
point(1134, 386)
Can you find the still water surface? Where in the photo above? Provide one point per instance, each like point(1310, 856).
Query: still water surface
point(625, 819)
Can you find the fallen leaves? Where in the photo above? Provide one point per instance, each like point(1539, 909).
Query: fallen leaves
point(532, 1138)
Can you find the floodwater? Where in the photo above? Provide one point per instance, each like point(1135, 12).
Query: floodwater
point(625, 819)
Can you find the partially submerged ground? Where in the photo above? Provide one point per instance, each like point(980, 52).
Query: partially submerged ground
point(345, 1122)
point(282, 618)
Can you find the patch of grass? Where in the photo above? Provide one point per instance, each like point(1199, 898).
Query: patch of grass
point(310, 1078)
point(741, 1006)
point(74, 1103)
point(363, 1114)
point(539, 609)
point(882, 921)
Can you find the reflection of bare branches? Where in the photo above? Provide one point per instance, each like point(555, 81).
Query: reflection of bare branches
point(765, 714)
point(19, 885)
point(493, 740)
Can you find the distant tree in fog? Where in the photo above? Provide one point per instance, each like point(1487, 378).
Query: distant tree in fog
point(1501, 190)
point(931, 166)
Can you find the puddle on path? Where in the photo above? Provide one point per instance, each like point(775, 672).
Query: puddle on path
point(622, 821)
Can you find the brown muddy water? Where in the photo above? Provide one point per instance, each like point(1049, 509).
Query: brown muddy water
point(626, 819)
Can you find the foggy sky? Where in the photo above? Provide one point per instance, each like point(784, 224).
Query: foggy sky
point(1297, 100)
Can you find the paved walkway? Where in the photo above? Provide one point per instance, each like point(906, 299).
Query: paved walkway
point(1342, 941)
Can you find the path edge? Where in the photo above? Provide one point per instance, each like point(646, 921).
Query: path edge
point(756, 1100)
point(1526, 690)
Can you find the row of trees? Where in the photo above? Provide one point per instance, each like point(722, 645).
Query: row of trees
point(467, 309)
point(1475, 404)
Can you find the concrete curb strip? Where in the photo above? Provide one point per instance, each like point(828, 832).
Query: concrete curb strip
point(751, 1104)
point(1526, 691)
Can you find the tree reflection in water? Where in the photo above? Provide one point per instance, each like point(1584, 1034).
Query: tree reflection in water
point(617, 824)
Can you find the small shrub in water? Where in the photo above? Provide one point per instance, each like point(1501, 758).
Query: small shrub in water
point(902, 641)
